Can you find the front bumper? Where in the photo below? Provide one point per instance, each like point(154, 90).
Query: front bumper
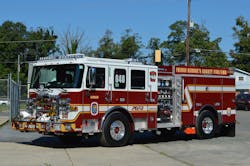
point(45, 127)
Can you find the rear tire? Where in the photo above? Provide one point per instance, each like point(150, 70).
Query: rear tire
point(116, 130)
point(237, 107)
point(246, 108)
point(206, 126)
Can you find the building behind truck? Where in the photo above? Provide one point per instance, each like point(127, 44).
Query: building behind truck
point(75, 95)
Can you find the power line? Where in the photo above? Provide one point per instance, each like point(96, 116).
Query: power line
point(219, 51)
point(22, 62)
point(7, 62)
point(27, 41)
point(188, 35)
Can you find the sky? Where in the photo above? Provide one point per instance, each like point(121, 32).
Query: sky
point(148, 18)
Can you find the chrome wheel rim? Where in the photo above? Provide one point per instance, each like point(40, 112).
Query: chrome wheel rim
point(207, 125)
point(117, 130)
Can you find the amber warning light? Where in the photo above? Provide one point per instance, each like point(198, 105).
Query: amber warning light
point(157, 55)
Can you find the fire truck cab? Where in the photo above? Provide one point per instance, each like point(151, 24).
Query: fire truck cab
point(79, 95)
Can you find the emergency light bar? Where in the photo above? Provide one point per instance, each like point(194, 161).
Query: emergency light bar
point(69, 56)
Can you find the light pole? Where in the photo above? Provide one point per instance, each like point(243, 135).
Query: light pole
point(188, 35)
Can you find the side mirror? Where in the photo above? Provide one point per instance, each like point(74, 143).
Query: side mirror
point(92, 76)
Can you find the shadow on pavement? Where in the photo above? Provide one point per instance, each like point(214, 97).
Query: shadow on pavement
point(55, 142)
point(7, 134)
point(139, 138)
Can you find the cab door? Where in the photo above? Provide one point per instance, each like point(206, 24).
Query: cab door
point(96, 90)
point(117, 87)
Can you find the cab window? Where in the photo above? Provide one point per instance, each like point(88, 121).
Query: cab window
point(137, 79)
point(120, 78)
point(100, 78)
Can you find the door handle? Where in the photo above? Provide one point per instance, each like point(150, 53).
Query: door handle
point(110, 87)
point(107, 97)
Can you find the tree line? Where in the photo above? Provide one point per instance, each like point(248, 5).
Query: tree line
point(30, 44)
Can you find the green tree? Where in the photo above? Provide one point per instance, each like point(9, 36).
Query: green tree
point(153, 44)
point(174, 46)
point(40, 49)
point(241, 53)
point(130, 45)
point(17, 40)
point(72, 42)
point(10, 31)
point(107, 47)
point(203, 51)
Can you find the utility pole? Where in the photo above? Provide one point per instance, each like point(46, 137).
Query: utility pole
point(18, 77)
point(18, 69)
point(188, 36)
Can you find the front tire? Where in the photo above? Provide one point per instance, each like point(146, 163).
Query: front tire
point(206, 126)
point(116, 130)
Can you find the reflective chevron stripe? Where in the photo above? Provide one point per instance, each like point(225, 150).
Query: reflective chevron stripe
point(203, 89)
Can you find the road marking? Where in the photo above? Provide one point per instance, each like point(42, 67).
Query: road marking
point(1, 125)
point(69, 157)
point(167, 155)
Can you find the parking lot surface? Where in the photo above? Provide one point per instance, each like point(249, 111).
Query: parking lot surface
point(18, 148)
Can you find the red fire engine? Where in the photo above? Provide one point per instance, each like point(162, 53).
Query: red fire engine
point(79, 95)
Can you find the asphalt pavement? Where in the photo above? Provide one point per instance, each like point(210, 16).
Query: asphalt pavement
point(21, 148)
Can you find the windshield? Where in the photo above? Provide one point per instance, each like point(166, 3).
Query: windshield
point(57, 76)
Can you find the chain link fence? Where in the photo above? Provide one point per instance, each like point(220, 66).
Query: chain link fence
point(4, 87)
point(14, 99)
point(4, 94)
point(23, 93)
point(7, 92)
point(4, 91)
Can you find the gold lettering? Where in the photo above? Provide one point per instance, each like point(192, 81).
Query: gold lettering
point(181, 70)
point(190, 70)
point(194, 70)
point(94, 97)
point(207, 71)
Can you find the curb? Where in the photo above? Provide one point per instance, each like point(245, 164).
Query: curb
point(1, 125)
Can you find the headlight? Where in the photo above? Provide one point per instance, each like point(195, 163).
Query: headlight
point(57, 127)
point(30, 101)
point(67, 126)
point(73, 108)
point(64, 109)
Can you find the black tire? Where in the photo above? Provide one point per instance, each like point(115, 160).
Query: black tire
point(206, 126)
point(120, 135)
point(246, 108)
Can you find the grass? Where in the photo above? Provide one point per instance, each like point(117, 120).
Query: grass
point(7, 107)
point(4, 107)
